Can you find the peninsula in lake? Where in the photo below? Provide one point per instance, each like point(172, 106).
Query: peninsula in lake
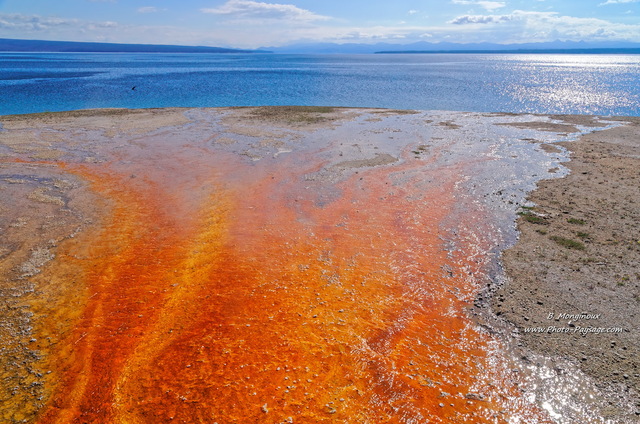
point(13, 45)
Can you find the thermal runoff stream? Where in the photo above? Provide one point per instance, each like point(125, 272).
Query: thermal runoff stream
point(285, 265)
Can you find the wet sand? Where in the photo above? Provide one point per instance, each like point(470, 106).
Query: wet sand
point(288, 264)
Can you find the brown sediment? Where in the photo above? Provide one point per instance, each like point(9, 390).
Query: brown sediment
point(544, 126)
point(211, 288)
point(449, 124)
point(379, 159)
point(295, 116)
point(580, 254)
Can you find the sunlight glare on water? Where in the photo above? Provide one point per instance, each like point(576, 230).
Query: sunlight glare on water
point(584, 84)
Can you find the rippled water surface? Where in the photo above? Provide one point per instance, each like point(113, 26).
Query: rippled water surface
point(584, 84)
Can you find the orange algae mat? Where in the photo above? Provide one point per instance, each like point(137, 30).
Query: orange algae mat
point(303, 284)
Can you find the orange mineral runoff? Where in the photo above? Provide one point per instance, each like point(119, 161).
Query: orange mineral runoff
point(264, 265)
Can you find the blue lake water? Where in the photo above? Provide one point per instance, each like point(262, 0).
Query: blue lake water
point(584, 84)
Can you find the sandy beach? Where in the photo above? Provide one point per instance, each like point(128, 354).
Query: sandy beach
point(315, 264)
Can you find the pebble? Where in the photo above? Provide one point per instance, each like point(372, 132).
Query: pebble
point(474, 396)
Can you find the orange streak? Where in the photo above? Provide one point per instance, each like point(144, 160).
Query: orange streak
point(237, 293)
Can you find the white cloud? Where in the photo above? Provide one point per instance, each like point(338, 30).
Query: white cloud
point(258, 10)
point(412, 12)
point(515, 27)
point(487, 5)
point(33, 23)
point(618, 2)
point(148, 9)
point(480, 19)
point(524, 26)
point(64, 29)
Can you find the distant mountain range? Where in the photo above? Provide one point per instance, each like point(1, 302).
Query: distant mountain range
point(622, 47)
point(425, 47)
point(13, 45)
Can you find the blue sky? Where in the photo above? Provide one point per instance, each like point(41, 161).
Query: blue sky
point(256, 23)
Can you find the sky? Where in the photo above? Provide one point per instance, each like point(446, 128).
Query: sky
point(271, 23)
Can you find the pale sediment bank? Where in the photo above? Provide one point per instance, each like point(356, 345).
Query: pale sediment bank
point(302, 263)
point(573, 285)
